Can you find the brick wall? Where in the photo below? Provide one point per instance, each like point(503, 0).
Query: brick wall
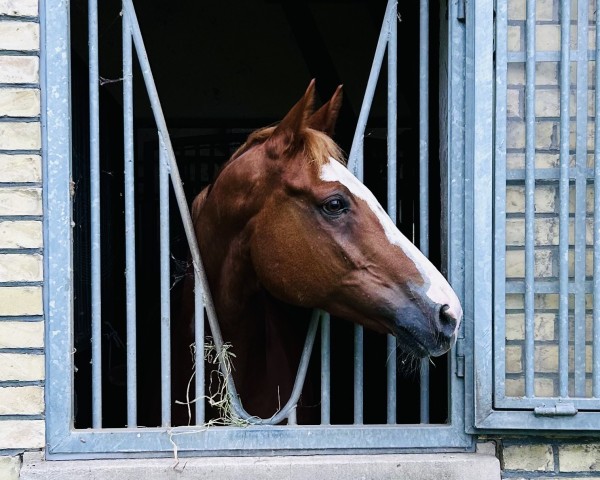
point(544, 460)
point(21, 320)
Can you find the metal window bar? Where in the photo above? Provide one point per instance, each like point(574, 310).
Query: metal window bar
point(165, 289)
point(580, 197)
point(130, 280)
point(499, 300)
point(565, 84)
point(95, 215)
point(528, 353)
point(424, 175)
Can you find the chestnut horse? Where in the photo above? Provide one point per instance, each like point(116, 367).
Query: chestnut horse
point(286, 228)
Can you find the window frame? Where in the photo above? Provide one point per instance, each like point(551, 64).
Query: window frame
point(63, 441)
point(517, 416)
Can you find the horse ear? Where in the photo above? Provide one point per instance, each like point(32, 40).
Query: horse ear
point(286, 133)
point(325, 118)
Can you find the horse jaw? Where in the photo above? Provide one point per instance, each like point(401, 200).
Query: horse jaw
point(438, 290)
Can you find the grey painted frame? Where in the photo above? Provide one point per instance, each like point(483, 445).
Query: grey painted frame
point(63, 441)
point(485, 134)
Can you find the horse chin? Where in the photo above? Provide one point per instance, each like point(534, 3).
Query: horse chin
point(416, 336)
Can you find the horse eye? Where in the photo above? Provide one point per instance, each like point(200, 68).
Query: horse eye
point(334, 207)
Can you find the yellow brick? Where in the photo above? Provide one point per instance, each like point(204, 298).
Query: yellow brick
point(20, 136)
point(514, 301)
point(544, 326)
point(513, 103)
point(544, 10)
point(515, 74)
point(20, 201)
point(528, 457)
point(21, 8)
point(19, 69)
point(20, 301)
point(20, 268)
point(547, 103)
point(23, 36)
point(20, 168)
point(547, 38)
point(20, 434)
point(579, 458)
point(19, 102)
point(21, 367)
point(21, 401)
point(515, 134)
point(514, 359)
point(10, 467)
point(546, 135)
point(546, 358)
point(516, 10)
point(544, 387)
point(514, 38)
point(21, 334)
point(514, 387)
point(515, 326)
point(21, 234)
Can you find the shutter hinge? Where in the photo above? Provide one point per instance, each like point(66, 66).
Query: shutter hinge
point(558, 410)
point(461, 10)
point(460, 357)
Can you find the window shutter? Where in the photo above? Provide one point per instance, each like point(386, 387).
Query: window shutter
point(537, 332)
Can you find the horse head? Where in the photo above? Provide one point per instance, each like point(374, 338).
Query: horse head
point(292, 219)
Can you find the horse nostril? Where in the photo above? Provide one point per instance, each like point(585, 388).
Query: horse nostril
point(446, 318)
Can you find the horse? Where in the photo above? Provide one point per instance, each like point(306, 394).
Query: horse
point(285, 228)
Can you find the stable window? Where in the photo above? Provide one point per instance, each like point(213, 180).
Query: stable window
point(538, 367)
point(222, 72)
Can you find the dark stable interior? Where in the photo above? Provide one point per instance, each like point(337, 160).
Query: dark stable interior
point(223, 69)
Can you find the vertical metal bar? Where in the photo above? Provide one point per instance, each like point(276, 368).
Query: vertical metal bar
point(165, 287)
point(500, 204)
point(130, 284)
point(580, 195)
point(358, 373)
point(95, 215)
point(528, 354)
point(325, 369)
point(199, 341)
point(563, 243)
point(424, 174)
point(392, 52)
point(596, 313)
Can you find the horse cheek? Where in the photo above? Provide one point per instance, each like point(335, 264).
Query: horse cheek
point(282, 261)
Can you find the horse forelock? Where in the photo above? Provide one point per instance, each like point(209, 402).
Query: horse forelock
point(316, 146)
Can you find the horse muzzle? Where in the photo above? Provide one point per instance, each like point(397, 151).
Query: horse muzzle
point(424, 332)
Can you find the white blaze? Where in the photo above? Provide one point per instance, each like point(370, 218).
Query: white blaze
point(438, 289)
